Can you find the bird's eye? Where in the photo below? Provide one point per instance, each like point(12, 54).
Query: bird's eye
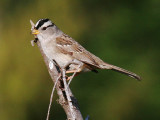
point(44, 28)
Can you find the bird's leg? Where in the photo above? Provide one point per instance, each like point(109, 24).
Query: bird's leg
point(76, 72)
point(59, 68)
point(68, 78)
point(73, 71)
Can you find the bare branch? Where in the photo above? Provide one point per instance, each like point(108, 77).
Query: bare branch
point(70, 107)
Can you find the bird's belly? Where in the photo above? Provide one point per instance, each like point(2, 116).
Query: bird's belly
point(62, 59)
point(53, 53)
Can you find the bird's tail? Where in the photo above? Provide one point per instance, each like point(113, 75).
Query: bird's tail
point(121, 70)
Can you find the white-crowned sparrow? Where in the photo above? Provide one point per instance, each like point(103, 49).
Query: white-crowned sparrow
point(63, 49)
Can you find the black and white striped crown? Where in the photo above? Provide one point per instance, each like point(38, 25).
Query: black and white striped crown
point(41, 22)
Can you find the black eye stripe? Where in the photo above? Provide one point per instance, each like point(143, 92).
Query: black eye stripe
point(50, 25)
point(44, 28)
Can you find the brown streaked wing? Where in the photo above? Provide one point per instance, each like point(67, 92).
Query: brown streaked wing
point(69, 46)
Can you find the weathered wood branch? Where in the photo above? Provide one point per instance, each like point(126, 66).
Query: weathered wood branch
point(70, 107)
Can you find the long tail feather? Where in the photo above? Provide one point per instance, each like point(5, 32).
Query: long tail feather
point(121, 70)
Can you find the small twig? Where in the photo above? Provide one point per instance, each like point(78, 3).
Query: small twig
point(74, 74)
point(51, 98)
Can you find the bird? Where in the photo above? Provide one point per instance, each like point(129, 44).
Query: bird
point(63, 49)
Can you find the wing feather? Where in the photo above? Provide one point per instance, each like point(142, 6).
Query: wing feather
point(69, 46)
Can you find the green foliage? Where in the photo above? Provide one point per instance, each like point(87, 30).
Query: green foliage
point(124, 33)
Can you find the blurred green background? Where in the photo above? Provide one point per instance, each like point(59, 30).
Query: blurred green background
point(125, 33)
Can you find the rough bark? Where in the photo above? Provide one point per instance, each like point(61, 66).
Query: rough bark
point(70, 107)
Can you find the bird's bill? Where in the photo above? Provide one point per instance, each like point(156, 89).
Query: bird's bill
point(35, 32)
